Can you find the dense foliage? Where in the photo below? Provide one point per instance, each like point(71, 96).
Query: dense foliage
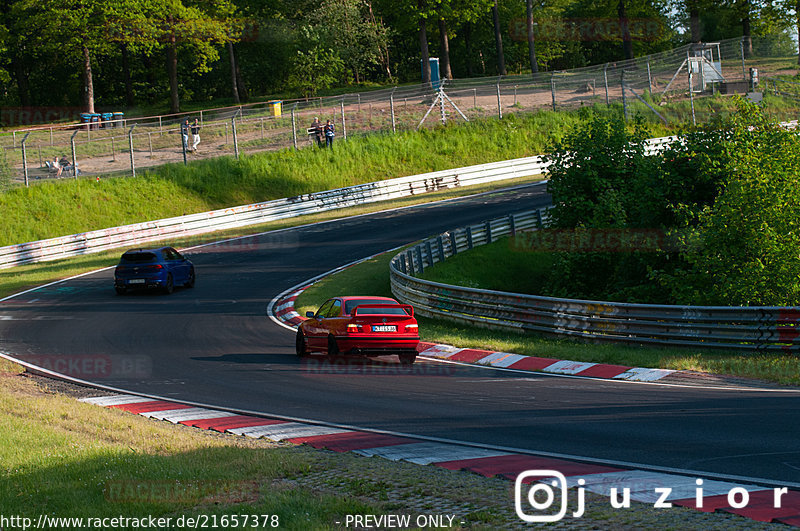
point(714, 220)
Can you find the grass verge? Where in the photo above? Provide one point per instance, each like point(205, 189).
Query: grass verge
point(372, 278)
point(66, 459)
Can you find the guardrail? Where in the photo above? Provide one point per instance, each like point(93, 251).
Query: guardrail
point(724, 327)
point(136, 234)
point(139, 233)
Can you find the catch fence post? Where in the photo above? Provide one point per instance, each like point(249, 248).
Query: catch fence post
point(499, 106)
point(344, 124)
point(294, 129)
point(553, 89)
point(25, 158)
point(235, 139)
point(74, 158)
point(130, 146)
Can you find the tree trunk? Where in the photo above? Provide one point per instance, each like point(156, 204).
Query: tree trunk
point(88, 96)
point(126, 75)
point(467, 32)
point(241, 86)
point(498, 39)
point(531, 40)
point(23, 85)
point(627, 45)
point(444, 51)
point(694, 22)
point(748, 39)
point(423, 46)
point(172, 72)
point(234, 86)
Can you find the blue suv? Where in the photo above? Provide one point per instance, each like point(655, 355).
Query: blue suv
point(162, 268)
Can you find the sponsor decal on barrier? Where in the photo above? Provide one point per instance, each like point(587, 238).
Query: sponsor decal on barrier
point(20, 116)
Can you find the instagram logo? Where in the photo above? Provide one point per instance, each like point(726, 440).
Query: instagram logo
point(541, 496)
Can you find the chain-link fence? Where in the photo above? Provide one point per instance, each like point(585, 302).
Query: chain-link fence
point(123, 147)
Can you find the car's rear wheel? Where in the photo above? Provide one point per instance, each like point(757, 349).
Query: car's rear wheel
point(407, 359)
point(190, 282)
point(120, 290)
point(300, 344)
point(169, 286)
point(333, 348)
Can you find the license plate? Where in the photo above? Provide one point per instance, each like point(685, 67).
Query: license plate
point(384, 328)
point(136, 281)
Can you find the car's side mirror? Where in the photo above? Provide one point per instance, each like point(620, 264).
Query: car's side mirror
point(310, 315)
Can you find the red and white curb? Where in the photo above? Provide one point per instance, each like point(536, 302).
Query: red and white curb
point(650, 487)
point(284, 311)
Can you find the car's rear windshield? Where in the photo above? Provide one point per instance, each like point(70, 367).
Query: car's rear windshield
point(139, 257)
point(366, 309)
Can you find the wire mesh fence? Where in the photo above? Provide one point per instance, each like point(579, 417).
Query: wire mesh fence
point(685, 75)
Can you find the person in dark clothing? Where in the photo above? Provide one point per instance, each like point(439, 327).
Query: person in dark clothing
point(330, 132)
point(318, 133)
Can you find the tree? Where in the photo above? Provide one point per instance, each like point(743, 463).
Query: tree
point(498, 39)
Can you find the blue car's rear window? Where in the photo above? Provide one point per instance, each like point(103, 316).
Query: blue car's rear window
point(139, 257)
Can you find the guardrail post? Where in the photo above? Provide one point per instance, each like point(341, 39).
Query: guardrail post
point(429, 249)
point(402, 263)
point(453, 243)
point(25, 158)
point(419, 259)
point(440, 246)
point(512, 224)
point(469, 237)
point(539, 223)
point(410, 257)
point(74, 159)
point(488, 231)
point(130, 146)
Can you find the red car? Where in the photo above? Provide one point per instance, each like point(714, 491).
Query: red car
point(369, 326)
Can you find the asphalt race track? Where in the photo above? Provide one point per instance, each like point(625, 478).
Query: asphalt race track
point(214, 344)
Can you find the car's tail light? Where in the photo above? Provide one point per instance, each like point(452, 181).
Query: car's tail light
point(352, 328)
point(157, 266)
point(412, 327)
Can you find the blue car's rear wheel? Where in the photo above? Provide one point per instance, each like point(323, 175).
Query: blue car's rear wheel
point(169, 286)
point(190, 282)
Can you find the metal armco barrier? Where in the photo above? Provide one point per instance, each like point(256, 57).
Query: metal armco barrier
point(241, 216)
point(724, 327)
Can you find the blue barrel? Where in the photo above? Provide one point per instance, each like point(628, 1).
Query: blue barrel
point(86, 118)
point(118, 117)
point(95, 120)
point(107, 117)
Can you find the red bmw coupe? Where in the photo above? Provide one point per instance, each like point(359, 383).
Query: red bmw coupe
point(369, 326)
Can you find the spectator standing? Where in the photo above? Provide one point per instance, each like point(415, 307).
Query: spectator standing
point(330, 132)
point(195, 135)
point(316, 125)
point(185, 134)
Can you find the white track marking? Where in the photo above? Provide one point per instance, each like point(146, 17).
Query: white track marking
point(426, 453)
